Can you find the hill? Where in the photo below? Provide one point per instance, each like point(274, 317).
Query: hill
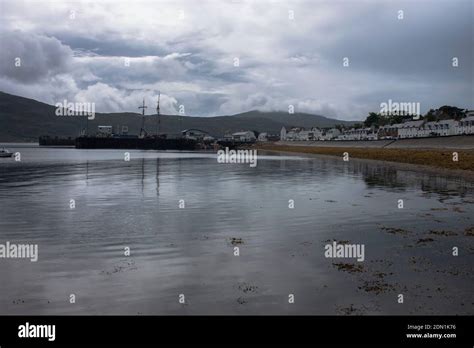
point(23, 119)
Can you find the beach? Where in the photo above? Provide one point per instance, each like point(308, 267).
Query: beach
point(450, 155)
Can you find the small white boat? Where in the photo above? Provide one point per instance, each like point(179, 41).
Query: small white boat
point(5, 153)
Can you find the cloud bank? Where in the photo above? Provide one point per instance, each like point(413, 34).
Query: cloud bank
point(225, 57)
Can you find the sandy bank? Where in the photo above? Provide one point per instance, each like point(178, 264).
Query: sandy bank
point(460, 142)
point(435, 161)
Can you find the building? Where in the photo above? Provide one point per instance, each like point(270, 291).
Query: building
point(405, 130)
point(308, 135)
point(371, 134)
point(208, 139)
point(245, 136)
point(300, 134)
point(358, 134)
point(291, 135)
point(440, 128)
point(389, 131)
point(268, 137)
point(262, 137)
point(330, 134)
point(315, 133)
point(466, 125)
point(104, 131)
point(447, 127)
point(195, 134)
point(410, 129)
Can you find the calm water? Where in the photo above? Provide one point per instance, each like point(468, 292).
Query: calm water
point(189, 251)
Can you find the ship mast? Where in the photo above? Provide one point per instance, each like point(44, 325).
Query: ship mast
point(143, 107)
point(158, 115)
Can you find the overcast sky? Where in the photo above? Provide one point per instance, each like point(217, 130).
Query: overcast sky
point(289, 52)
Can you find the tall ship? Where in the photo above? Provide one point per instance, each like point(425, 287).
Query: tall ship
point(105, 138)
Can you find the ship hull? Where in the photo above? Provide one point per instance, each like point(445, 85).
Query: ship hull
point(56, 141)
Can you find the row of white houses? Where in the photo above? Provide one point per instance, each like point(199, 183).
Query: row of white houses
point(300, 134)
point(410, 129)
point(421, 129)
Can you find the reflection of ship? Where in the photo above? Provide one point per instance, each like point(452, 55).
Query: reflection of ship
point(105, 139)
point(4, 153)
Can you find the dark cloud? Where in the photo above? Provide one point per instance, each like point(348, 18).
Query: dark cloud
point(187, 49)
point(28, 57)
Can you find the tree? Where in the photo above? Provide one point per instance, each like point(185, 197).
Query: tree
point(447, 111)
point(372, 120)
point(339, 127)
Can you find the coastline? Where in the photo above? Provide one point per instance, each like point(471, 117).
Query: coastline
point(433, 161)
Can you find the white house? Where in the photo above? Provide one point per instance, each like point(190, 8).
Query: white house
point(447, 127)
point(330, 134)
point(410, 129)
point(195, 134)
point(208, 138)
point(430, 129)
point(291, 135)
point(263, 137)
point(466, 125)
point(440, 128)
point(309, 135)
point(371, 134)
point(246, 136)
point(359, 134)
point(316, 133)
point(300, 134)
point(303, 135)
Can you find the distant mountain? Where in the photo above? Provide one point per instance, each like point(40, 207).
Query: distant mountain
point(23, 119)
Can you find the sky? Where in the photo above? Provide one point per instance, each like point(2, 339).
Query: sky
point(222, 57)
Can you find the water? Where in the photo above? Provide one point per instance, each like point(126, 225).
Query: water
point(189, 251)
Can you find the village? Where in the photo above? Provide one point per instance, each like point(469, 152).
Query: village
point(404, 130)
point(408, 128)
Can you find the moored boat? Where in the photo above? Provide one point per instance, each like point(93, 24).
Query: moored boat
point(4, 153)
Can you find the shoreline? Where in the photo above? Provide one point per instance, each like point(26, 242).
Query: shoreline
point(432, 165)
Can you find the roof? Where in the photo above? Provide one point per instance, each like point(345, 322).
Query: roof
point(194, 129)
point(450, 121)
point(243, 133)
point(412, 124)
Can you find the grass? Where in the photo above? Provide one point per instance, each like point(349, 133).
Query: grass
point(429, 157)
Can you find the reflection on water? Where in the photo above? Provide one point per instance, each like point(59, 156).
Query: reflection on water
point(135, 204)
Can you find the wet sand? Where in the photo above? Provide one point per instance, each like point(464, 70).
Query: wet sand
point(435, 161)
